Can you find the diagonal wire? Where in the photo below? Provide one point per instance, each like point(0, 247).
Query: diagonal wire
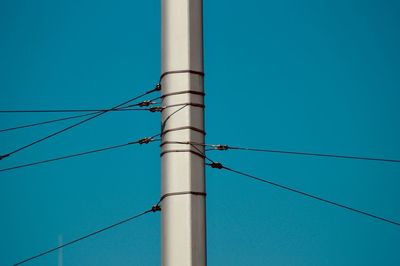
point(220, 166)
point(157, 88)
point(163, 124)
point(172, 114)
point(45, 122)
point(194, 145)
point(202, 153)
point(71, 117)
point(153, 209)
point(141, 104)
point(141, 141)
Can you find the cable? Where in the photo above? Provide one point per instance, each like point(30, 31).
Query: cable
point(220, 166)
point(163, 124)
point(202, 153)
point(221, 147)
point(153, 209)
point(226, 147)
point(70, 117)
point(157, 88)
point(68, 110)
point(172, 114)
point(44, 122)
point(141, 104)
point(141, 141)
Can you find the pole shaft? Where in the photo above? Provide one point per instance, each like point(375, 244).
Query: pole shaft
point(183, 222)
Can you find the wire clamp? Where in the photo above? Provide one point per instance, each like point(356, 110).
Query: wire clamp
point(158, 87)
point(145, 103)
point(156, 109)
point(221, 147)
point(216, 165)
point(156, 208)
point(145, 140)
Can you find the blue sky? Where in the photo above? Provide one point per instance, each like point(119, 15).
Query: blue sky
point(314, 76)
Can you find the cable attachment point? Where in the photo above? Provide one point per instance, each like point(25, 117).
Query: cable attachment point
point(145, 140)
point(4, 156)
point(156, 208)
point(145, 103)
point(158, 87)
point(216, 165)
point(156, 109)
point(220, 147)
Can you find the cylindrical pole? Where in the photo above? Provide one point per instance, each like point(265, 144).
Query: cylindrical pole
point(183, 222)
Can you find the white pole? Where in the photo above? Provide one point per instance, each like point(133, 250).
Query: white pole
point(183, 222)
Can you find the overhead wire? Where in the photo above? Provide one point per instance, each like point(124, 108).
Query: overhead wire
point(45, 122)
point(69, 118)
point(141, 141)
point(310, 154)
point(70, 110)
point(220, 166)
point(212, 163)
point(153, 209)
point(126, 108)
point(157, 88)
point(223, 147)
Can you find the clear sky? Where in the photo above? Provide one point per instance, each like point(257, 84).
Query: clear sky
point(313, 76)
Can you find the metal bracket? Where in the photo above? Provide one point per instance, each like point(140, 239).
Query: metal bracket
point(156, 208)
point(156, 109)
point(216, 165)
point(145, 140)
point(220, 147)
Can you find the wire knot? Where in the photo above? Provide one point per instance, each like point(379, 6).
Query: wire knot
point(216, 165)
point(156, 208)
point(156, 109)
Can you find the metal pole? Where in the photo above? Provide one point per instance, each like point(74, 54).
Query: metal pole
point(183, 222)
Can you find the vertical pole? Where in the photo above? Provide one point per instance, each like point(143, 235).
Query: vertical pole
point(183, 222)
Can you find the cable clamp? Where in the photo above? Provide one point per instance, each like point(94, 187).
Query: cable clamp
point(158, 87)
point(145, 103)
point(216, 165)
point(141, 104)
point(220, 147)
point(145, 140)
point(156, 109)
point(156, 208)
